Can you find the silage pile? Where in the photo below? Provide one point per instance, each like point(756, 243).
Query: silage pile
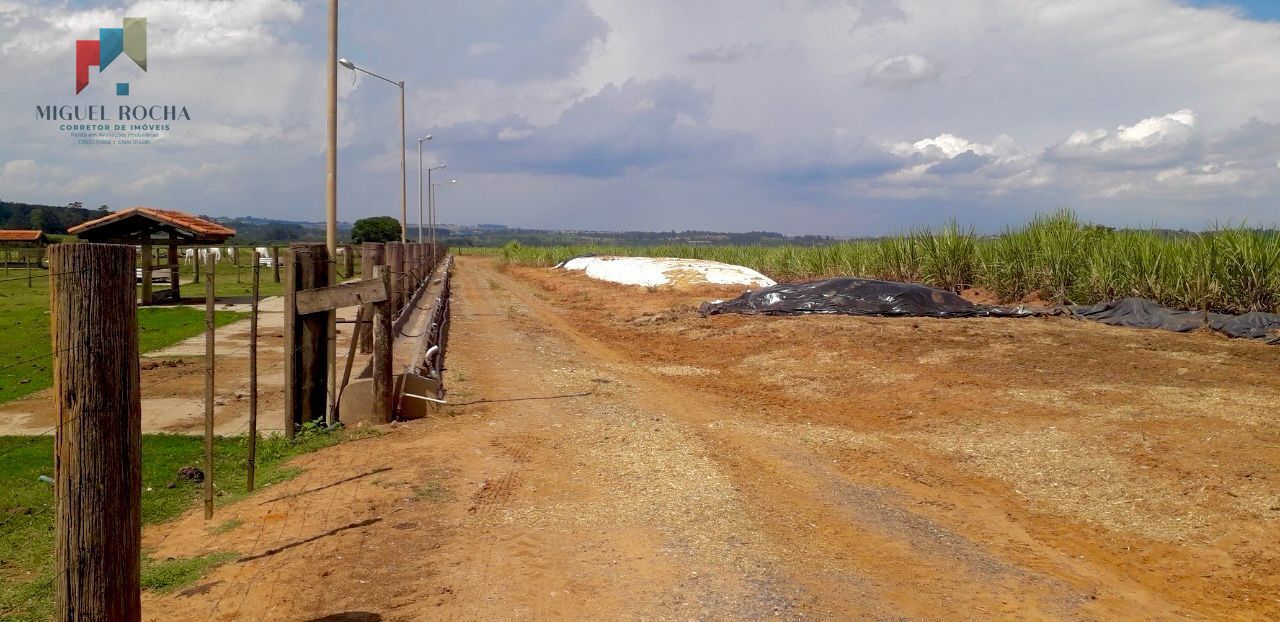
point(658, 271)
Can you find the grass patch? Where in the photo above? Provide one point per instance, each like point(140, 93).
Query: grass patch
point(24, 329)
point(226, 526)
point(434, 492)
point(167, 575)
point(27, 512)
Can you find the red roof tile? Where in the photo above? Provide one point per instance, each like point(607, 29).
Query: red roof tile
point(20, 235)
point(182, 220)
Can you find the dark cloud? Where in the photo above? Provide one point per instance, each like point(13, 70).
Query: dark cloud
point(966, 162)
point(725, 53)
point(638, 125)
point(522, 40)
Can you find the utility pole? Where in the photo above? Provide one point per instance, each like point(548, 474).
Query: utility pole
point(404, 188)
point(331, 199)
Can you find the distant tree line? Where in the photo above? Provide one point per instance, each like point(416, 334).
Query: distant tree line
point(47, 218)
point(541, 237)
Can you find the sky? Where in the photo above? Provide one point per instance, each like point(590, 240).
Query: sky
point(833, 117)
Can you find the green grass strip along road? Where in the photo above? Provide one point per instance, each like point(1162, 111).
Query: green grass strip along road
point(27, 512)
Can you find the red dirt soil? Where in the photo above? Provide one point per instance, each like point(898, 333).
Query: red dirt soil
point(612, 455)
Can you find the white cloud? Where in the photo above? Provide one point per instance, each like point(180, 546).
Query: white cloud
point(829, 113)
point(1151, 139)
point(902, 71)
point(943, 146)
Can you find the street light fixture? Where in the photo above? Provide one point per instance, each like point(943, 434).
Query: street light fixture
point(404, 208)
point(420, 141)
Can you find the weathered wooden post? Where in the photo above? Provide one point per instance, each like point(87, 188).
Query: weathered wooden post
point(422, 263)
point(26, 259)
point(235, 261)
point(395, 263)
point(382, 313)
point(275, 263)
point(175, 263)
point(253, 373)
point(351, 261)
point(146, 274)
point(208, 386)
point(410, 275)
point(98, 409)
point(371, 254)
point(306, 338)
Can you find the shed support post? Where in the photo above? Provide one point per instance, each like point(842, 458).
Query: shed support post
point(146, 273)
point(174, 262)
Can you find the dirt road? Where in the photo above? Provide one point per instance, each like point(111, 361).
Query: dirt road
point(613, 456)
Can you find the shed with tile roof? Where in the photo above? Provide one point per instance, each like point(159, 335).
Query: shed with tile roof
point(147, 227)
point(29, 245)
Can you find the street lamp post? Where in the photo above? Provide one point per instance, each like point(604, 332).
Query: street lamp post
point(420, 141)
point(404, 192)
point(432, 188)
point(431, 209)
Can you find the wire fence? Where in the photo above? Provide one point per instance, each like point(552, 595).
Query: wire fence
point(155, 379)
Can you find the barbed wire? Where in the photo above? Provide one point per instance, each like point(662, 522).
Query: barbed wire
point(45, 275)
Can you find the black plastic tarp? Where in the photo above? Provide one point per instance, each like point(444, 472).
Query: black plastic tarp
point(1143, 313)
point(853, 296)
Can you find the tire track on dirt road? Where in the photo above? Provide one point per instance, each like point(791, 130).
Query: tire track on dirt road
point(854, 548)
point(574, 525)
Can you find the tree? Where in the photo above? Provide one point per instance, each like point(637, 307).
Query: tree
point(75, 205)
point(376, 229)
point(103, 208)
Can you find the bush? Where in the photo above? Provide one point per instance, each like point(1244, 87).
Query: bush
point(376, 229)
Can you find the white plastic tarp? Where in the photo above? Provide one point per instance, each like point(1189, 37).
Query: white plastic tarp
point(654, 271)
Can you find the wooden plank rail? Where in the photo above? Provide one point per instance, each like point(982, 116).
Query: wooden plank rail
point(354, 294)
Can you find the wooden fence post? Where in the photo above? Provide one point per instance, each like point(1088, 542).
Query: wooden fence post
point(26, 259)
point(275, 262)
point(208, 387)
point(98, 409)
point(395, 263)
point(235, 261)
point(351, 261)
point(382, 313)
point(306, 338)
point(253, 373)
point(371, 254)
